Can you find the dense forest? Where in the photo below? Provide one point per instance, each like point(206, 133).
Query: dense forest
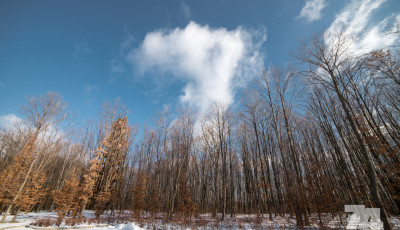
point(304, 140)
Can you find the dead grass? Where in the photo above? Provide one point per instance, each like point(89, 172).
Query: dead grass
point(73, 221)
point(45, 222)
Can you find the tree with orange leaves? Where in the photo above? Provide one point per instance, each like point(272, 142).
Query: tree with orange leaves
point(42, 114)
point(103, 182)
point(67, 199)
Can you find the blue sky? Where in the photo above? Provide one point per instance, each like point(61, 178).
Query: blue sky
point(154, 54)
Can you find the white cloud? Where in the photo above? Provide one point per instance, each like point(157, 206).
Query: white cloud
point(9, 121)
point(212, 62)
point(14, 123)
point(186, 11)
point(355, 20)
point(312, 10)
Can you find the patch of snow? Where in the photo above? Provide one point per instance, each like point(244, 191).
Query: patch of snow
point(131, 226)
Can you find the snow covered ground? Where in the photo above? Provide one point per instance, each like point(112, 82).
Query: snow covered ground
point(25, 221)
point(205, 221)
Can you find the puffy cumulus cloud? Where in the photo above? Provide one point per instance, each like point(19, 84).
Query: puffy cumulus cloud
point(9, 121)
point(356, 20)
point(212, 62)
point(312, 10)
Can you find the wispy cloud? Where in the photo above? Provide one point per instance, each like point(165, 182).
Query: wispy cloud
point(118, 62)
point(81, 48)
point(212, 62)
point(9, 121)
point(89, 94)
point(186, 11)
point(312, 10)
point(117, 66)
point(2, 84)
point(90, 88)
point(126, 41)
point(356, 20)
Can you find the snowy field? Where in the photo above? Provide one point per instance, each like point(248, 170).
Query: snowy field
point(125, 222)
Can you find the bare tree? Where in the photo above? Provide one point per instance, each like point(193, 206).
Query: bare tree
point(333, 65)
